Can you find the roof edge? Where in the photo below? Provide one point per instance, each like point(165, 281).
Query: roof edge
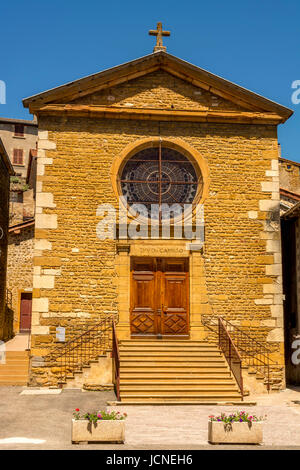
point(162, 58)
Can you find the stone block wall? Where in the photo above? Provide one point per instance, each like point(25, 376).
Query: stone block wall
point(289, 175)
point(20, 267)
point(74, 272)
point(4, 211)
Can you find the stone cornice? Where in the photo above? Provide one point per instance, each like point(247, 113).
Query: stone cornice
point(109, 112)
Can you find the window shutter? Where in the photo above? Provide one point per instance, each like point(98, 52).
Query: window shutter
point(18, 157)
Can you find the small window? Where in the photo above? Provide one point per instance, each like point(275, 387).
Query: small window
point(19, 130)
point(18, 157)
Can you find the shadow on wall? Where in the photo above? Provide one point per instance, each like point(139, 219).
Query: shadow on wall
point(8, 327)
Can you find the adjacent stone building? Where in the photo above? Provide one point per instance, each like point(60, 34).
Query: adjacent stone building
point(157, 130)
point(20, 273)
point(20, 140)
point(6, 171)
point(289, 177)
point(19, 137)
point(290, 227)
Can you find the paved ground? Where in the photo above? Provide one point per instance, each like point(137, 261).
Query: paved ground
point(47, 417)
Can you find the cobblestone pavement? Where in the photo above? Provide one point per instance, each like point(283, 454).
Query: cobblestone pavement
point(47, 417)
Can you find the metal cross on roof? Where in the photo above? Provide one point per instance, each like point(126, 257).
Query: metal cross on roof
point(159, 33)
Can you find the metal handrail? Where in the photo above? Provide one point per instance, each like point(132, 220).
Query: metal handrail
point(77, 353)
point(252, 353)
point(231, 354)
point(116, 359)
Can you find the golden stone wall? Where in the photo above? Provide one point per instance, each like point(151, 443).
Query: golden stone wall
point(77, 276)
point(289, 175)
point(159, 90)
point(20, 268)
point(4, 208)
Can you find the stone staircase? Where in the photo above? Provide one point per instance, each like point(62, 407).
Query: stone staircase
point(14, 371)
point(171, 371)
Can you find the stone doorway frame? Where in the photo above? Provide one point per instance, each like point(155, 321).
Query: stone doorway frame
point(164, 249)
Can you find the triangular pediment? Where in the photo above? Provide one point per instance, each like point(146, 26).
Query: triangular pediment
point(157, 81)
point(158, 90)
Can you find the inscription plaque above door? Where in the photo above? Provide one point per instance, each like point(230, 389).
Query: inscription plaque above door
point(159, 303)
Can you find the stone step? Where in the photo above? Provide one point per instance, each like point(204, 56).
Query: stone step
point(165, 373)
point(177, 387)
point(173, 366)
point(144, 342)
point(170, 357)
point(13, 380)
point(235, 401)
point(14, 365)
point(17, 353)
point(178, 395)
point(14, 356)
point(174, 372)
point(167, 347)
point(167, 352)
point(11, 359)
point(14, 372)
point(175, 380)
point(11, 375)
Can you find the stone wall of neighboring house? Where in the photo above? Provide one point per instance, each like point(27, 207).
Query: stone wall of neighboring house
point(290, 226)
point(12, 141)
point(289, 175)
point(20, 266)
point(4, 194)
point(5, 172)
point(22, 203)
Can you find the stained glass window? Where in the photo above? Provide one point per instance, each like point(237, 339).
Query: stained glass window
point(160, 176)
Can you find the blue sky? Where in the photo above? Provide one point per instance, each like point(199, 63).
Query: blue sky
point(254, 43)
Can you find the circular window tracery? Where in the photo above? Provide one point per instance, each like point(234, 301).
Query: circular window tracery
point(158, 176)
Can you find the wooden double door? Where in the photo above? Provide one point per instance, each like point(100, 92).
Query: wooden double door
point(159, 303)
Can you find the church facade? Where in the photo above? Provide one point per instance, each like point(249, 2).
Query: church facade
point(156, 130)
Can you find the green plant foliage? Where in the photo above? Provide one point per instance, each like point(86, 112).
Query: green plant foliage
point(99, 415)
point(237, 417)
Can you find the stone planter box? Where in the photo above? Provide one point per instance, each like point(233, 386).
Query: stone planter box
point(235, 433)
point(103, 431)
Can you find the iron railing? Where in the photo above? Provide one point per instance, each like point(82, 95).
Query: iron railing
point(116, 359)
point(253, 354)
point(78, 352)
point(231, 354)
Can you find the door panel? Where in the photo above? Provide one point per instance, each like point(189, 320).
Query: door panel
point(25, 312)
point(143, 305)
point(159, 297)
point(175, 319)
